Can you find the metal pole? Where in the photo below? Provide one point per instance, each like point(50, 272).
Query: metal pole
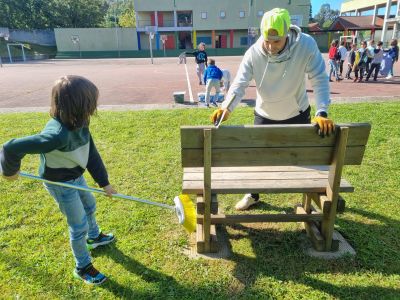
point(151, 48)
point(9, 53)
point(116, 30)
point(23, 53)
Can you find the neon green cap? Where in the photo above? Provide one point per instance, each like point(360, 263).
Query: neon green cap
point(277, 19)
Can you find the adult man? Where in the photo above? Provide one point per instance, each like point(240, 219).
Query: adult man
point(278, 62)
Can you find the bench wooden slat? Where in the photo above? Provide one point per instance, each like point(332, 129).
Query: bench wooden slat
point(257, 175)
point(275, 136)
point(270, 156)
point(235, 219)
point(264, 186)
point(258, 169)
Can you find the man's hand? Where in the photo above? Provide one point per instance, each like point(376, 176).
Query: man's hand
point(325, 126)
point(217, 115)
point(109, 190)
point(12, 177)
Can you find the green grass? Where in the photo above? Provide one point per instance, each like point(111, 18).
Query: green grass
point(142, 152)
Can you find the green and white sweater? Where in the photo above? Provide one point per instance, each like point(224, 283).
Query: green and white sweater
point(64, 154)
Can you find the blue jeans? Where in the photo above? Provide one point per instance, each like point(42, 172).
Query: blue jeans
point(334, 69)
point(79, 208)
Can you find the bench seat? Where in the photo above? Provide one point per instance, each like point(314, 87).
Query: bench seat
point(269, 179)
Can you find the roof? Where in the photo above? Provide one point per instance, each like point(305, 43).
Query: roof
point(356, 23)
point(312, 27)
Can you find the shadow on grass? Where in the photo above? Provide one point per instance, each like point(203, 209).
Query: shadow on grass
point(277, 254)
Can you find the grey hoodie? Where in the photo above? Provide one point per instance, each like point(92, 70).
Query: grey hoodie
point(280, 79)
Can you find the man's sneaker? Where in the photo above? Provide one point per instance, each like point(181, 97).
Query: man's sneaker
point(389, 77)
point(90, 275)
point(102, 239)
point(246, 202)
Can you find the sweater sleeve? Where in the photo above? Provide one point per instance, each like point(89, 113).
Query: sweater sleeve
point(241, 82)
point(14, 150)
point(315, 69)
point(96, 167)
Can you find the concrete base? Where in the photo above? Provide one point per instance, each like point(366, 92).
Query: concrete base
point(223, 247)
point(345, 249)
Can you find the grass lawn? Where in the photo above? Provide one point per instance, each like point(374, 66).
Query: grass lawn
point(142, 152)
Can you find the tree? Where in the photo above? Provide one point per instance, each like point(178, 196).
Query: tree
point(326, 15)
point(127, 18)
point(42, 14)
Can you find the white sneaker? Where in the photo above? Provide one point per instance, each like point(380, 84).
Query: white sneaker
point(389, 77)
point(245, 203)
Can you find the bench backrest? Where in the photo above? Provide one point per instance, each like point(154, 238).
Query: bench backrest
point(272, 145)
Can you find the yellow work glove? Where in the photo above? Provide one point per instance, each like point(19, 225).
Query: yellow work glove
point(217, 115)
point(325, 126)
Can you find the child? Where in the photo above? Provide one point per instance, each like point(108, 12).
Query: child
point(212, 79)
point(200, 56)
point(394, 54)
point(350, 60)
point(370, 55)
point(333, 57)
point(66, 149)
point(343, 53)
point(226, 80)
point(360, 61)
point(376, 62)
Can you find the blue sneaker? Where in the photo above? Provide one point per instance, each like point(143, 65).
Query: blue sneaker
point(101, 240)
point(90, 275)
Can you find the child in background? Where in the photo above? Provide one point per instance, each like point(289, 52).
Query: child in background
point(333, 57)
point(394, 54)
point(212, 79)
point(376, 62)
point(350, 60)
point(200, 56)
point(343, 53)
point(226, 80)
point(360, 62)
point(370, 55)
point(66, 149)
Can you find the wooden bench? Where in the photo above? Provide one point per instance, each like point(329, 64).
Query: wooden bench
point(270, 159)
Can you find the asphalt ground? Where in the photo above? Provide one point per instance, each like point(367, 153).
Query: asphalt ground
point(138, 84)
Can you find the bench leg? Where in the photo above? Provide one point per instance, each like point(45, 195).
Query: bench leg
point(206, 236)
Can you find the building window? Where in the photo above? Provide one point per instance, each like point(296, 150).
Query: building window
point(222, 14)
point(204, 39)
point(260, 13)
point(204, 15)
point(242, 14)
point(243, 41)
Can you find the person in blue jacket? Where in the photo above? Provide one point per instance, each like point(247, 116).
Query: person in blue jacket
point(394, 54)
point(66, 150)
point(212, 79)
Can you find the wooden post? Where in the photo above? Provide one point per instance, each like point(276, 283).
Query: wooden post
point(307, 202)
point(207, 190)
point(332, 190)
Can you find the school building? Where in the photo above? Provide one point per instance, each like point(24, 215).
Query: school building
point(223, 24)
point(384, 16)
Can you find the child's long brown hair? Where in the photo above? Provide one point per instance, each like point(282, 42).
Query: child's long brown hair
point(73, 101)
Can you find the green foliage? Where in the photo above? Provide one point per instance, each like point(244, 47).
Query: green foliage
point(141, 150)
point(326, 14)
point(41, 14)
point(120, 12)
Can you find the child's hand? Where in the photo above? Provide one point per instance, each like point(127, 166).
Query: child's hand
point(109, 190)
point(12, 177)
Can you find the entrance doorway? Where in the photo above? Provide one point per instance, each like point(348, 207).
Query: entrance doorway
point(185, 40)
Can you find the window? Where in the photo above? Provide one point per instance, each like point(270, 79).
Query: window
point(242, 14)
point(243, 41)
point(204, 39)
point(222, 14)
point(204, 15)
point(260, 13)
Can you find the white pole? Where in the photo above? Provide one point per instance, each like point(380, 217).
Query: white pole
point(9, 53)
point(151, 48)
point(385, 23)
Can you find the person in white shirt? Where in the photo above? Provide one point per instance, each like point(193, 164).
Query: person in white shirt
point(376, 62)
point(278, 62)
point(343, 54)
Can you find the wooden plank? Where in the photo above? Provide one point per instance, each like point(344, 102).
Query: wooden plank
point(313, 233)
point(256, 218)
point(325, 205)
point(333, 188)
point(237, 157)
point(200, 244)
point(200, 205)
point(264, 186)
point(323, 168)
point(207, 189)
point(258, 176)
point(269, 136)
point(199, 238)
point(341, 205)
point(307, 202)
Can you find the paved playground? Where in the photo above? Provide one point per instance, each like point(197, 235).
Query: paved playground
point(136, 83)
